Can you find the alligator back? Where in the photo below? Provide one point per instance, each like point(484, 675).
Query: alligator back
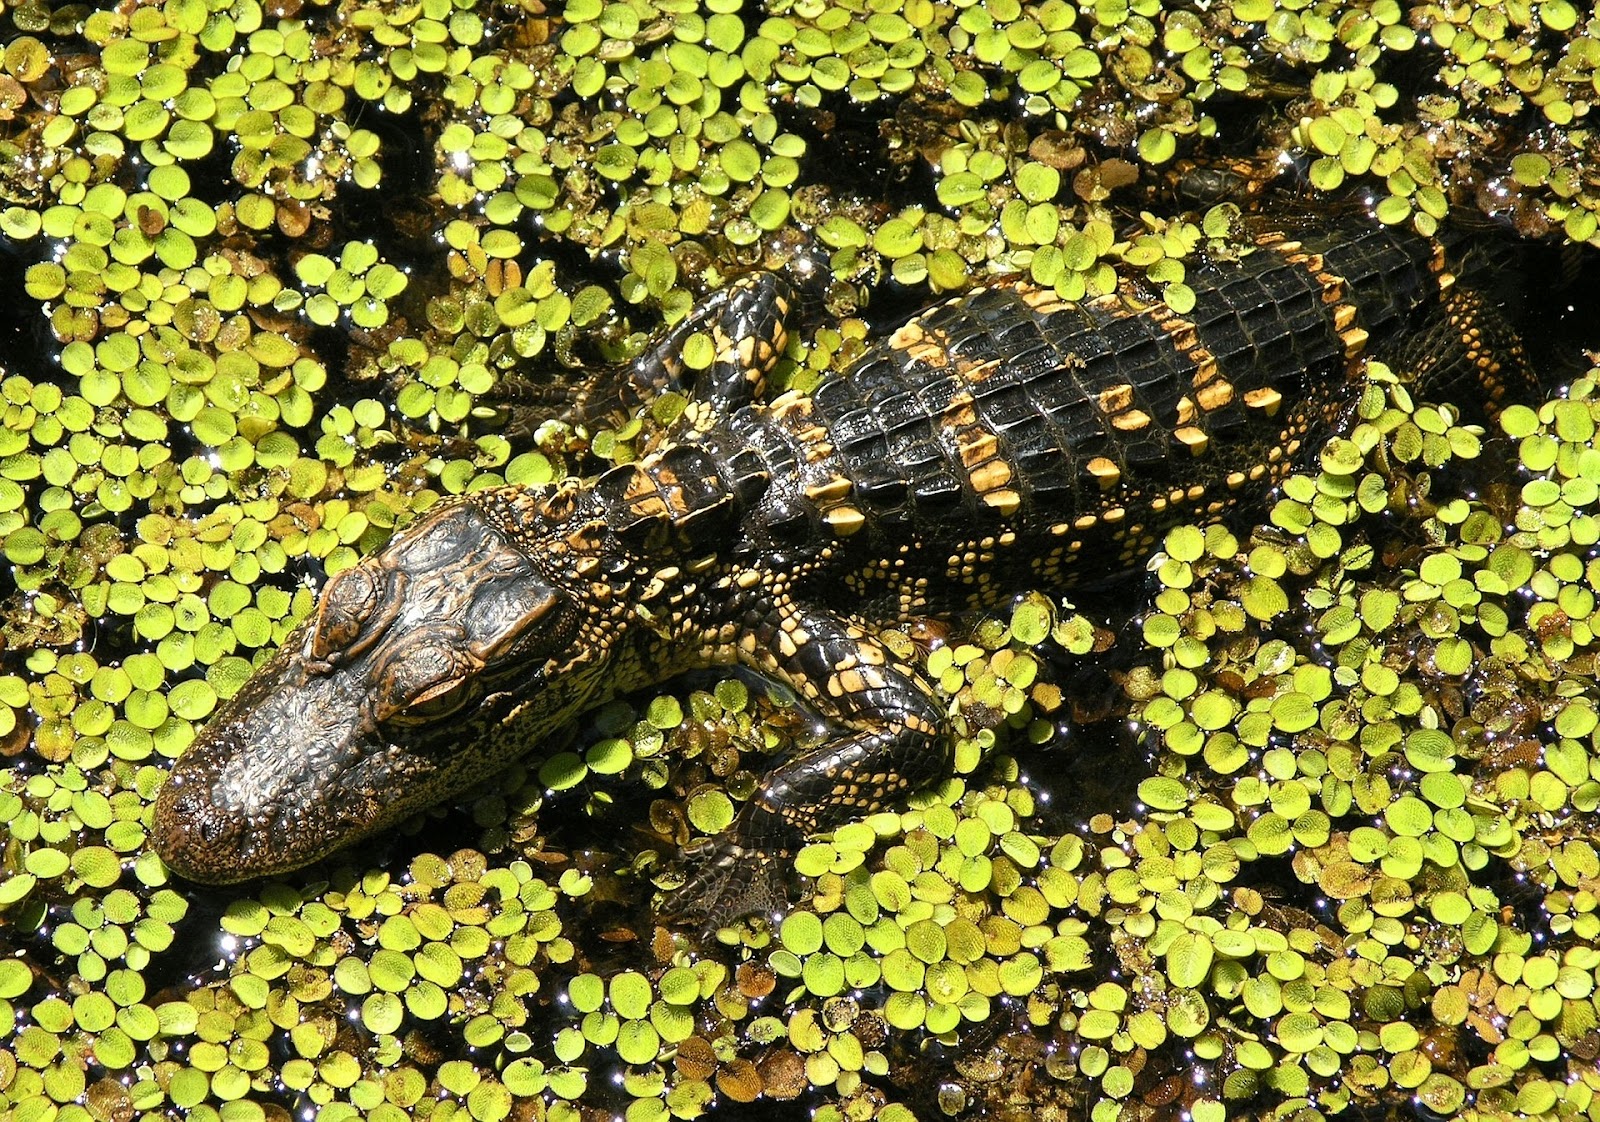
point(1002, 439)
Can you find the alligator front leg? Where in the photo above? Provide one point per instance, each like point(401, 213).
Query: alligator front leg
point(746, 325)
point(889, 740)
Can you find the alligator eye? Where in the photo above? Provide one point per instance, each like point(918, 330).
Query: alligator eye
point(347, 603)
point(439, 700)
point(424, 682)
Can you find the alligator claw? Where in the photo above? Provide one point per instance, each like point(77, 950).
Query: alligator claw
point(726, 883)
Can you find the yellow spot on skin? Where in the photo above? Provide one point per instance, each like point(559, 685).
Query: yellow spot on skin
point(986, 477)
point(831, 491)
point(699, 416)
point(1343, 316)
point(1186, 410)
point(1236, 479)
point(815, 445)
point(1215, 396)
point(1006, 502)
point(1105, 471)
point(1045, 301)
point(959, 414)
point(1333, 288)
point(1355, 341)
point(844, 520)
point(908, 336)
point(1205, 371)
point(1134, 420)
point(976, 451)
point(1087, 522)
point(1115, 514)
point(790, 402)
point(978, 374)
point(1192, 438)
point(934, 354)
point(1265, 398)
point(1447, 281)
point(1116, 398)
point(847, 683)
point(921, 344)
point(638, 484)
point(1186, 337)
point(650, 506)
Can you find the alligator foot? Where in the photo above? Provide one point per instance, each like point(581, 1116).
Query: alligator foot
point(727, 882)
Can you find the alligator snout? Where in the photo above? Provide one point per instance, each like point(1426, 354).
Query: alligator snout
point(275, 781)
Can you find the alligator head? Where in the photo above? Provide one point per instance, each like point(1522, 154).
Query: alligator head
point(425, 668)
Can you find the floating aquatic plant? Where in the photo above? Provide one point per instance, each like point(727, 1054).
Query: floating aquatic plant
point(279, 265)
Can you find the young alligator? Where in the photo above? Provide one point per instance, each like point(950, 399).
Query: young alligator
point(1005, 440)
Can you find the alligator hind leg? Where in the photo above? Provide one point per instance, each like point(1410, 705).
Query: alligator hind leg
point(1470, 356)
point(893, 742)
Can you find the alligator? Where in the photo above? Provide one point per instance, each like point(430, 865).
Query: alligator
point(1005, 440)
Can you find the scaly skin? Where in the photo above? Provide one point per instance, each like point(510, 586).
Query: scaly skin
point(992, 445)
